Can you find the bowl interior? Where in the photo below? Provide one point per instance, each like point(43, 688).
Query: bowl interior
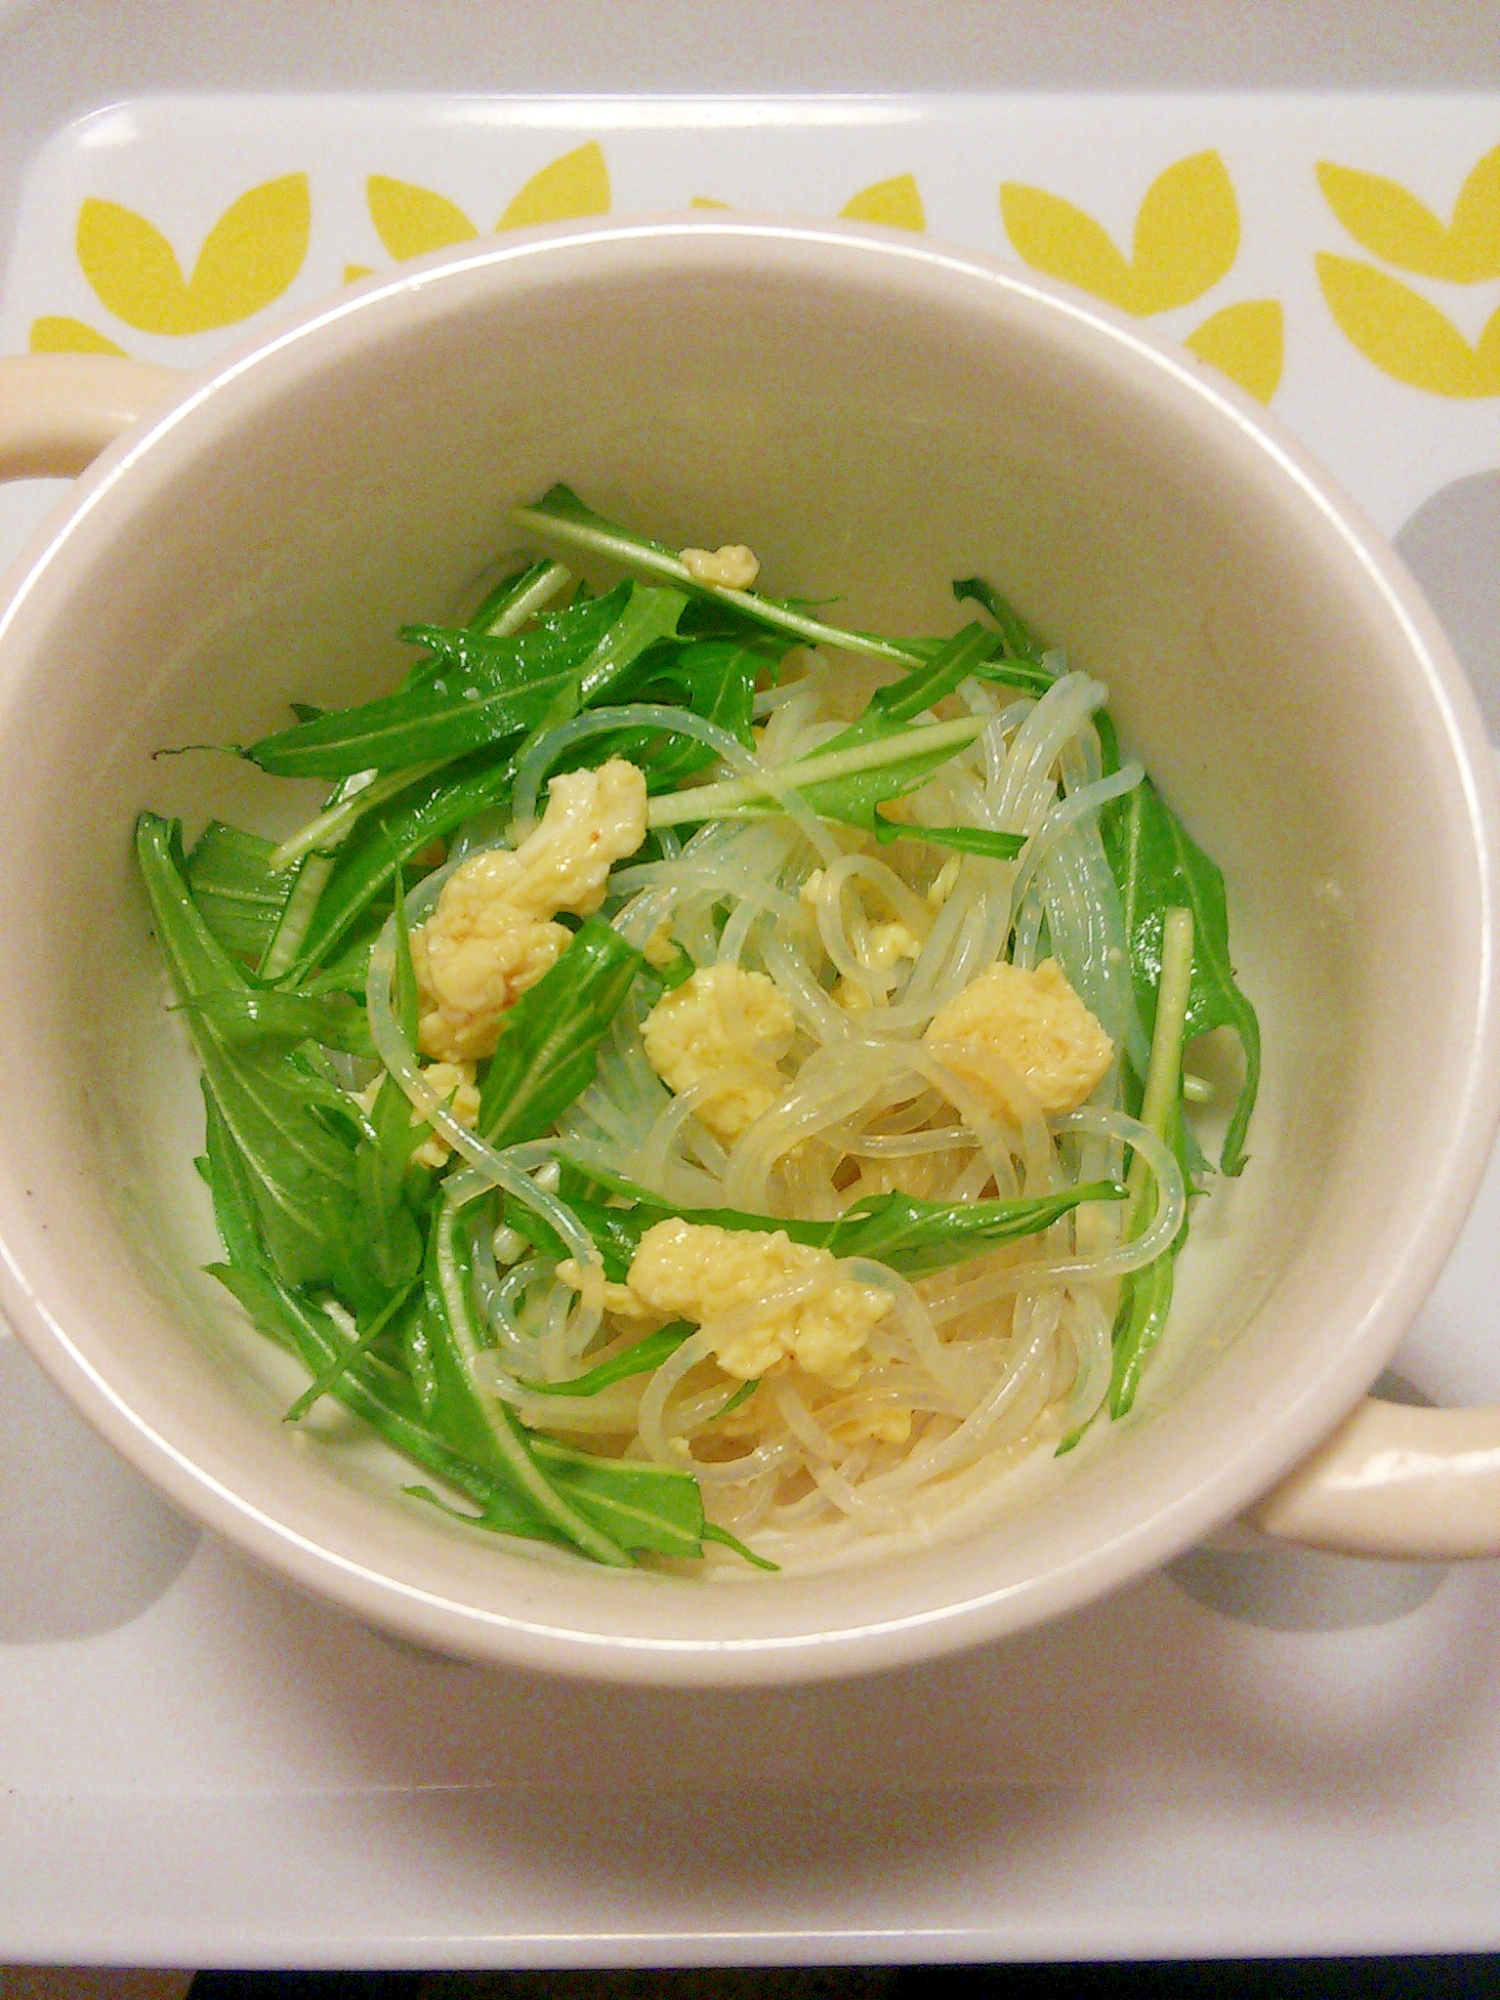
point(875, 420)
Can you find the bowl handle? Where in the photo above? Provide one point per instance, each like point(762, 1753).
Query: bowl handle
point(58, 411)
point(1396, 1479)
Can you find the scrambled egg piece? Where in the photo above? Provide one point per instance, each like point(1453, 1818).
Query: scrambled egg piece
point(454, 1084)
point(886, 945)
point(617, 1298)
point(491, 935)
point(660, 949)
point(732, 567)
point(694, 1270)
point(892, 1426)
point(1036, 1024)
point(722, 1019)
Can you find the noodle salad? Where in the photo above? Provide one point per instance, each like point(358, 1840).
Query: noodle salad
point(708, 1087)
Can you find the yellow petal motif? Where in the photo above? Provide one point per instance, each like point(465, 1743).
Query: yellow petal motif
point(1406, 335)
point(576, 184)
point(249, 258)
point(411, 220)
point(1387, 220)
point(896, 203)
point(1187, 234)
point(706, 201)
point(354, 272)
point(57, 334)
point(1244, 342)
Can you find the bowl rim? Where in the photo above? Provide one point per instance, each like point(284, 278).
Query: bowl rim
point(437, 1621)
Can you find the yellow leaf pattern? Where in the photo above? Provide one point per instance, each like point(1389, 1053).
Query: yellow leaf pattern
point(1187, 235)
point(248, 259)
point(354, 272)
point(1245, 343)
point(411, 220)
point(896, 203)
point(706, 201)
point(1407, 336)
point(576, 184)
point(57, 334)
point(1386, 219)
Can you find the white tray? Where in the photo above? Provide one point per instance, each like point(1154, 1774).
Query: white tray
point(200, 1767)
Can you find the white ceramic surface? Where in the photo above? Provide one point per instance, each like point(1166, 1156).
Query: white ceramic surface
point(264, 535)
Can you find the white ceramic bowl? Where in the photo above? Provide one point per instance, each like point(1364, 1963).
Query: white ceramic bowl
point(875, 415)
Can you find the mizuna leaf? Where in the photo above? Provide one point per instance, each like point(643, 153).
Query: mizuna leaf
point(643, 1359)
point(891, 711)
point(240, 899)
point(247, 1018)
point(639, 1506)
point(1158, 867)
point(966, 839)
point(301, 1172)
point(467, 706)
point(1021, 642)
point(911, 1235)
point(428, 811)
point(549, 1046)
point(561, 515)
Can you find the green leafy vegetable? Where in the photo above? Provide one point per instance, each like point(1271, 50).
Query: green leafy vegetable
point(479, 698)
point(426, 811)
point(519, 596)
point(846, 784)
point(1025, 652)
point(238, 897)
point(988, 841)
point(644, 1358)
point(638, 1506)
point(562, 516)
point(486, 1429)
point(549, 1047)
point(1146, 1295)
point(1159, 866)
point(302, 1171)
point(911, 1235)
point(241, 1016)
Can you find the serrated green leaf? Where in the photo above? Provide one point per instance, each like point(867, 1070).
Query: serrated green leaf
point(468, 707)
point(249, 1018)
point(549, 1043)
point(644, 1358)
point(983, 840)
point(239, 898)
point(911, 1235)
point(1159, 866)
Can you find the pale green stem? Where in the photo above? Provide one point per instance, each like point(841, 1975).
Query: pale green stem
point(335, 823)
point(623, 549)
point(547, 1500)
point(296, 916)
point(1164, 1071)
point(713, 801)
point(555, 577)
